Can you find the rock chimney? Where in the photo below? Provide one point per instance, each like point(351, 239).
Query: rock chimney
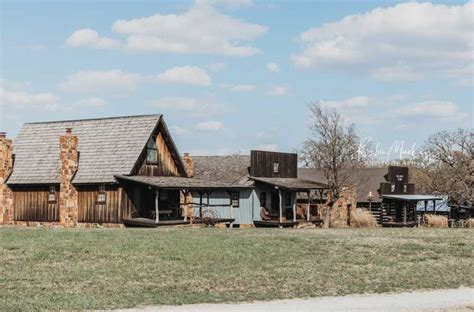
point(6, 167)
point(188, 165)
point(69, 161)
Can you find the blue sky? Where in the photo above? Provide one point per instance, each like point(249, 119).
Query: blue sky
point(234, 75)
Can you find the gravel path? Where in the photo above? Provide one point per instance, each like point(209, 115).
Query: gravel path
point(461, 299)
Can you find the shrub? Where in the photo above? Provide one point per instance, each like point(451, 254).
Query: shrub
point(435, 221)
point(362, 218)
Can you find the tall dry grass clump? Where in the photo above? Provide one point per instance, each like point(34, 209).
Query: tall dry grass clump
point(470, 223)
point(361, 218)
point(436, 221)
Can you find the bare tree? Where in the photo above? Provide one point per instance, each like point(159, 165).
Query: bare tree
point(334, 149)
point(447, 166)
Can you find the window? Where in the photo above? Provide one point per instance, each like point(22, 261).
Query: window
point(400, 177)
point(101, 195)
point(392, 188)
point(404, 188)
point(276, 167)
point(52, 194)
point(151, 151)
point(263, 199)
point(235, 199)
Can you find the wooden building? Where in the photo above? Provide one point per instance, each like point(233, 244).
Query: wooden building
point(386, 192)
point(64, 172)
point(127, 170)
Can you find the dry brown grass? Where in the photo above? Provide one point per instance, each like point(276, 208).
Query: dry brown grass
point(363, 219)
point(470, 223)
point(436, 221)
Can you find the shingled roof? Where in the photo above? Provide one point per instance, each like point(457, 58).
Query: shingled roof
point(233, 169)
point(107, 147)
point(366, 179)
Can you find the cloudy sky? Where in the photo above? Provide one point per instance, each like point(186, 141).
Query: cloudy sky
point(234, 75)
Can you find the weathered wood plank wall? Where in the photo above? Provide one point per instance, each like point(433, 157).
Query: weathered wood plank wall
point(112, 211)
point(166, 165)
point(31, 204)
point(261, 164)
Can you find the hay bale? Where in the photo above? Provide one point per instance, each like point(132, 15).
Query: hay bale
point(361, 218)
point(435, 221)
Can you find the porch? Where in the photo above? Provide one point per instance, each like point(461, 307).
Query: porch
point(165, 200)
point(401, 211)
point(285, 210)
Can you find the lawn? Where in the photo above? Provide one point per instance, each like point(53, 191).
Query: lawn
point(112, 268)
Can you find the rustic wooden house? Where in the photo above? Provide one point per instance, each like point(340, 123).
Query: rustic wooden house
point(266, 180)
point(127, 170)
point(386, 192)
point(64, 172)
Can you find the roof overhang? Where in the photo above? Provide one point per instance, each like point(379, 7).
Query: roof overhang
point(178, 183)
point(411, 198)
point(292, 184)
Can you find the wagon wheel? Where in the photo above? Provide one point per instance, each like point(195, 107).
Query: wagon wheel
point(209, 217)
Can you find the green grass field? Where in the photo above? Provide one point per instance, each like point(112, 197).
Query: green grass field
point(112, 268)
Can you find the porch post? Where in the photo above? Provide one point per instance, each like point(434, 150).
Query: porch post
point(157, 204)
point(281, 205)
point(200, 204)
point(434, 206)
point(308, 213)
point(231, 225)
point(185, 205)
point(404, 212)
point(426, 206)
point(294, 208)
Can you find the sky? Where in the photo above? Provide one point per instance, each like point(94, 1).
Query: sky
point(231, 76)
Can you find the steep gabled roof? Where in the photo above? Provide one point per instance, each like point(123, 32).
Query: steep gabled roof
point(107, 147)
point(233, 169)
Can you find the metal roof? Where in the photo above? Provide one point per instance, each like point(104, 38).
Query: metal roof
point(414, 198)
point(292, 183)
point(170, 182)
point(107, 146)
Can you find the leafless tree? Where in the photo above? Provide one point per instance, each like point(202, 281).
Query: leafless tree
point(447, 166)
point(333, 148)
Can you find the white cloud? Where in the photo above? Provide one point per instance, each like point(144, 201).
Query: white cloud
point(231, 4)
point(278, 91)
point(91, 102)
point(267, 147)
point(16, 99)
point(100, 82)
point(176, 130)
point(441, 110)
point(273, 67)
point(87, 37)
point(192, 105)
point(210, 126)
point(407, 41)
point(217, 67)
point(242, 88)
point(191, 75)
point(202, 29)
point(349, 103)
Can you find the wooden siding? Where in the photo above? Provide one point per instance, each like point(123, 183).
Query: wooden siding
point(166, 165)
point(31, 204)
point(248, 210)
point(261, 164)
point(112, 211)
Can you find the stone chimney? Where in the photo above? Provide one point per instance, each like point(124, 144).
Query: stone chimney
point(188, 165)
point(69, 160)
point(6, 167)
